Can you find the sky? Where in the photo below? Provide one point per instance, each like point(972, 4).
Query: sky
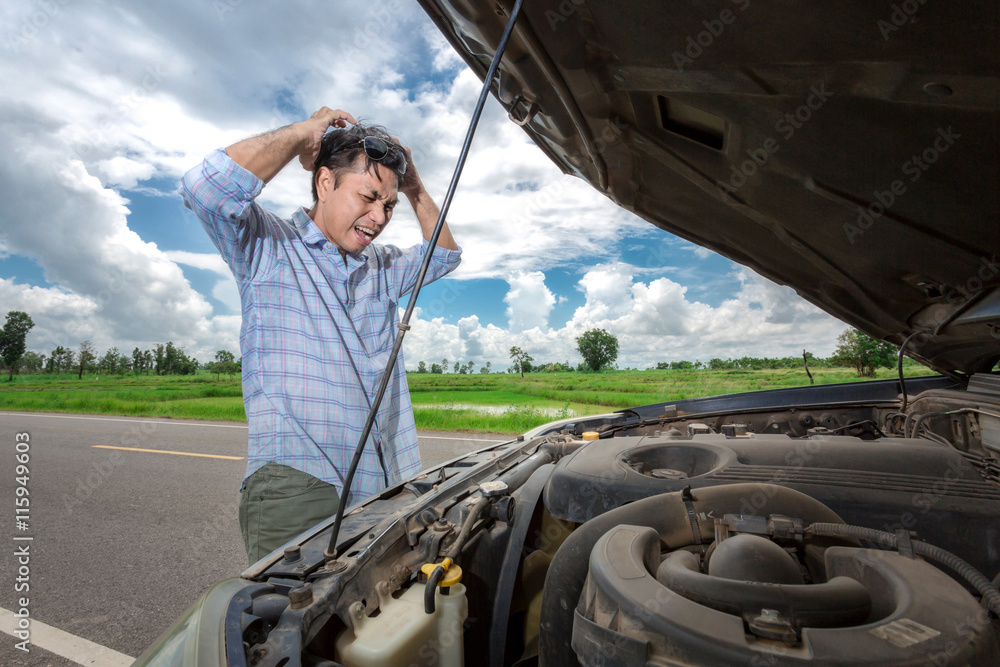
point(104, 106)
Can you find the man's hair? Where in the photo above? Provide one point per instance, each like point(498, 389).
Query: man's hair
point(341, 149)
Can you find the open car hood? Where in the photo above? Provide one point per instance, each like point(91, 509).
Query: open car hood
point(846, 149)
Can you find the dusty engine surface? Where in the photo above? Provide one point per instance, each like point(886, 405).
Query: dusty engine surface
point(751, 605)
point(764, 549)
point(888, 484)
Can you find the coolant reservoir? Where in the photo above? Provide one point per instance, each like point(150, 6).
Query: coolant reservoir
point(402, 633)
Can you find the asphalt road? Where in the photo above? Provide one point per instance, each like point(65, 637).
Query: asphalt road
point(123, 541)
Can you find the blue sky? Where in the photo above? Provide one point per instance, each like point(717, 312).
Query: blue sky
point(105, 107)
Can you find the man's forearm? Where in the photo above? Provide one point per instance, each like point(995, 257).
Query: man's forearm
point(427, 214)
point(267, 154)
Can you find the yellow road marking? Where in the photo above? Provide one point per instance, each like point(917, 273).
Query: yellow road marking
point(164, 451)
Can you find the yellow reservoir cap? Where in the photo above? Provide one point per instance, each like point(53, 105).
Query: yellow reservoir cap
point(591, 435)
point(452, 572)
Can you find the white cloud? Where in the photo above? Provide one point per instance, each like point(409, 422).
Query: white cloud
point(653, 321)
point(529, 302)
point(200, 260)
point(128, 97)
point(123, 172)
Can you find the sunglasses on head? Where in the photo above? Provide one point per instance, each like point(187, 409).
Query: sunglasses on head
point(377, 150)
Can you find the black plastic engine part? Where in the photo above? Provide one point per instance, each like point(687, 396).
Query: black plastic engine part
point(918, 615)
point(838, 602)
point(668, 515)
point(889, 484)
point(754, 558)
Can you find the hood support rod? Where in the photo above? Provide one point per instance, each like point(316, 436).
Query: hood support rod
point(404, 326)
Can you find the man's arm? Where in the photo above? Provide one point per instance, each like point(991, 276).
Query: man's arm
point(267, 154)
point(424, 207)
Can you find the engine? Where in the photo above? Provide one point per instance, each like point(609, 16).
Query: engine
point(711, 549)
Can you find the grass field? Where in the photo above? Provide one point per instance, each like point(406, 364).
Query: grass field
point(495, 403)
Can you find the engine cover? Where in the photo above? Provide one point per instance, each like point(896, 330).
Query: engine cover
point(891, 610)
point(888, 484)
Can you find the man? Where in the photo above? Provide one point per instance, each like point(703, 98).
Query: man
point(319, 305)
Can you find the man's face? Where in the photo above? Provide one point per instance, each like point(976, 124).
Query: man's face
point(358, 209)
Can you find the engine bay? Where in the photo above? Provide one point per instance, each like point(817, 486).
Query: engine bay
point(845, 534)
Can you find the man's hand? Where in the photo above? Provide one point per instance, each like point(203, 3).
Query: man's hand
point(424, 207)
point(267, 154)
point(411, 185)
point(314, 129)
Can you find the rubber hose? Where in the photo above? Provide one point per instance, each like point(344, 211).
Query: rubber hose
point(547, 452)
point(842, 601)
point(667, 514)
point(456, 548)
point(976, 578)
point(431, 588)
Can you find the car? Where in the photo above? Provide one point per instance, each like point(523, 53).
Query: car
point(848, 150)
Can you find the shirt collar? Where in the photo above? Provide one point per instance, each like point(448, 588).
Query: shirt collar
point(310, 233)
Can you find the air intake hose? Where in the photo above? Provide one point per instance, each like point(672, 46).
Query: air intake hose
point(976, 578)
point(668, 515)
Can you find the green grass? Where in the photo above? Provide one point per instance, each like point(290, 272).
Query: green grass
point(511, 421)
point(440, 402)
point(181, 397)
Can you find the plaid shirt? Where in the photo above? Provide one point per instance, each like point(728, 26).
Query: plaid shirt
point(316, 333)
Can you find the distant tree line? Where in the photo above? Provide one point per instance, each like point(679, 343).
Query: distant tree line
point(599, 349)
point(161, 359)
point(467, 368)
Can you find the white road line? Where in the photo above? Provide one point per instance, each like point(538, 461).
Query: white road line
point(46, 415)
point(79, 650)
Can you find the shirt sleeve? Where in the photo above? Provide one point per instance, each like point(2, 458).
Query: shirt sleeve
point(403, 266)
point(222, 193)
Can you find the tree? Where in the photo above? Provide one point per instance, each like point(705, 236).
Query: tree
point(142, 360)
point(458, 367)
point(444, 365)
point(522, 360)
point(485, 370)
point(598, 348)
point(12, 336)
point(33, 362)
point(225, 362)
point(805, 360)
point(422, 367)
point(110, 361)
point(171, 358)
point(159, 359)
point(436, 369)
point(61, 360)
point(87, 356)
point(858, 349)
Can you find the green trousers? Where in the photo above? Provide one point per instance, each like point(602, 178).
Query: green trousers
point(278, 503)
